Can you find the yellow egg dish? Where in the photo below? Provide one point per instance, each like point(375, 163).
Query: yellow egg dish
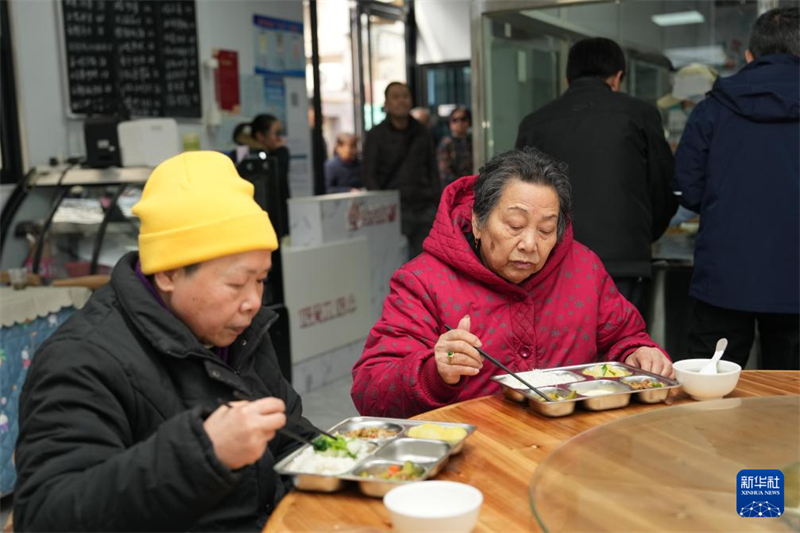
point(449, 434)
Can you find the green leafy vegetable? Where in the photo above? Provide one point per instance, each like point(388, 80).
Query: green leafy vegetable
point(338, 445)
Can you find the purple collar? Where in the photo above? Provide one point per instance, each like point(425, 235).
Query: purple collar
point(149, 286)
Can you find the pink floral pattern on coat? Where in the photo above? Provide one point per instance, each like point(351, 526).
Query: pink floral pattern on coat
point(570, 312)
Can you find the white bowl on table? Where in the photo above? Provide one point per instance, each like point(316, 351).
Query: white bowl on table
point(707, 386)
point(440, 506)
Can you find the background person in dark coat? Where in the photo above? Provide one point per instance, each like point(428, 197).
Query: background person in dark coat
point(121, 422)
point(454, 153)
point(399, 154)
point(738, 165)
point(343, 171)
point(267, 132)
point(619, 164)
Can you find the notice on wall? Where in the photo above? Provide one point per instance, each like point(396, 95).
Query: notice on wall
point(279, 46)
point(274, 97)
point(280, 61)
point(298, 137)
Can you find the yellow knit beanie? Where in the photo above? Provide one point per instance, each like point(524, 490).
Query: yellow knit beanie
point(195, 207)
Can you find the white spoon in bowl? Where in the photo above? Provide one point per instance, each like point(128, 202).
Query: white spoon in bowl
point(711, 366)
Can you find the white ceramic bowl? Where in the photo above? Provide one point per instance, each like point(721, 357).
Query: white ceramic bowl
point(440, 506)
point(707, 386)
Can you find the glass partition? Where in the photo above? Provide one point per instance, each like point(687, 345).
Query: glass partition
point(441, 87)
point(524, 53)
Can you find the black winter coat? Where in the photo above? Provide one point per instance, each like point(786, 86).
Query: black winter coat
point(619, 164)
point(111, 422)
point(404, 160)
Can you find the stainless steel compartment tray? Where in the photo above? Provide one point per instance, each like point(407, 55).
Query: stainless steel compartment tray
point(620, 393)
point(430, 454)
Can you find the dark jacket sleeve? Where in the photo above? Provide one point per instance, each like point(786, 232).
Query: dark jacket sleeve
point(444, 156)
point(331, 179)
point(691, 158)
point(369, 163)
point(522, 140)
point(660, 163)
point(433, 169)
point(79, 469)
point(283, 156)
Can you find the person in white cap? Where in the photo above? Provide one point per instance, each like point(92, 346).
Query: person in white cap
point(690, 85)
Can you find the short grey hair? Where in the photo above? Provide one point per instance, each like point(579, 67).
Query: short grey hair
point(528, 165)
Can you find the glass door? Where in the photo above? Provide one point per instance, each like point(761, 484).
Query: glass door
point(379, 52)
point(522, 74)
point(441, 88)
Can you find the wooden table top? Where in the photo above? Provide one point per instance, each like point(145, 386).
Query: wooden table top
point(499, 459)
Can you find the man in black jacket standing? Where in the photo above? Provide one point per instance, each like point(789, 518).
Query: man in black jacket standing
point(399, 154)
point(619, 163)
point(131, 417)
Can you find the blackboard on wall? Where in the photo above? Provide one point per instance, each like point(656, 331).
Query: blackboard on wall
point(131, 56)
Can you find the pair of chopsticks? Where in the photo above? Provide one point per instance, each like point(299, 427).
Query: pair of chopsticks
point(284, 430)
point(511, 372)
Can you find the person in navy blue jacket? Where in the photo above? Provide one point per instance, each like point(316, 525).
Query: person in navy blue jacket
point(343, 171)
point(738, 165)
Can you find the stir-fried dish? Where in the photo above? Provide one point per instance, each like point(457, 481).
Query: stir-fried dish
point(408, 472)
point(648, 383)
point(371, 433)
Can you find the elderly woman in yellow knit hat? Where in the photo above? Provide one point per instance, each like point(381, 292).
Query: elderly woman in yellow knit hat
point(132, 414)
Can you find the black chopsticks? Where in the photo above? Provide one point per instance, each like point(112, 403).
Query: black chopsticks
point(511, 372)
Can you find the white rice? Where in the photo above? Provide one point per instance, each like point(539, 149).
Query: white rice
point(540, 378)
point(311, 462)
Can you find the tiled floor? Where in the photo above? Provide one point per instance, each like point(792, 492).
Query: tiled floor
point(330, 404)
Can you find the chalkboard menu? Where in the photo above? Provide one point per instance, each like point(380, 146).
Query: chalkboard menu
point(131, 56)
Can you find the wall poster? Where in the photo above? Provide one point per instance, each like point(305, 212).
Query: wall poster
point(279, 46)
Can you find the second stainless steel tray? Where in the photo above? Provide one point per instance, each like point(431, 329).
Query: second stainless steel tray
point(610, 387)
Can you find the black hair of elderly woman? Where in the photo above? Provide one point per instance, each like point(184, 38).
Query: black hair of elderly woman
point(500, 266)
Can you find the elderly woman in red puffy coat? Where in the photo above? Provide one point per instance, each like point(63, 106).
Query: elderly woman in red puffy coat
point(500, 266)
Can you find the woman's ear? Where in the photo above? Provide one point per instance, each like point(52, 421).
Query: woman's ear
point(476, 232)
point(165, 281)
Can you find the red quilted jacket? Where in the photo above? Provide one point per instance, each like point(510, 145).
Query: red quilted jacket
point(567, 313)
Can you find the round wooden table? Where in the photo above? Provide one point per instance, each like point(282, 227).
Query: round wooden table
point(674, 470)
point(499, 459)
